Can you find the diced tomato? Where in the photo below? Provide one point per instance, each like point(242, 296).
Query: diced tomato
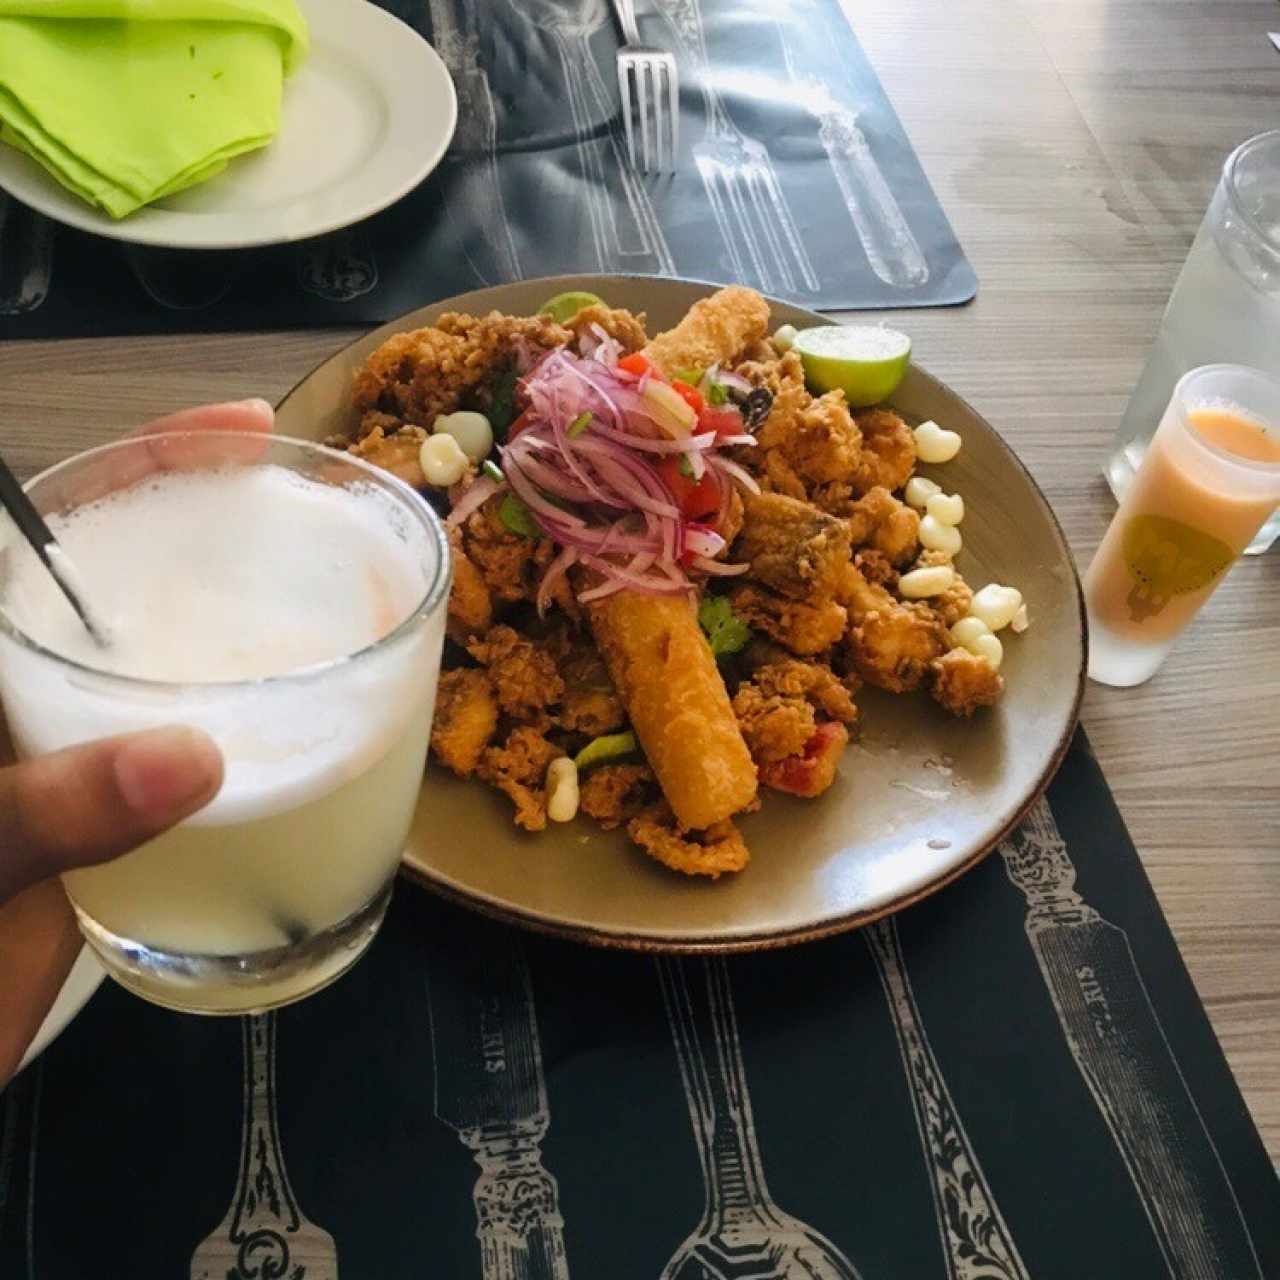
point(634, 363)
point(690, 395)
point(813, 771)
point(695, 498)
point(723, 419)
point(519, 425)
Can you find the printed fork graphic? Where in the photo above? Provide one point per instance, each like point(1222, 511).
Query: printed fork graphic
point(740, 181)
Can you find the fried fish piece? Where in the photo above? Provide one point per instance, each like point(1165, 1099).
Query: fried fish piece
point(615, 793)
point(779, 708)
point(793, 547)
point(954, 602)
point(962, 682)
point(524, 677)
point(892, 647)
point(397, 452)
point(817, 438)
point(622, 326)
point(417, 375)
point(465, 719)
point(716, 330)
point(802, 627)
point(590, 704)
point(470, 604)
point(710, 852)
point(518, 767)
point(880, 521)
point(510, 564)
point(813, 770)
point(888, 451)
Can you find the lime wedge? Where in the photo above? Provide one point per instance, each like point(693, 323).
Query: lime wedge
point(866, 362)
point(564, 306)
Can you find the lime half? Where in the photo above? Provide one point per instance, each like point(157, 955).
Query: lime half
point(564, 306)
point(866, 362)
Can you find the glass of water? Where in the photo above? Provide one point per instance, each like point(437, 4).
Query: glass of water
point(1225, 307)
point(288, 600)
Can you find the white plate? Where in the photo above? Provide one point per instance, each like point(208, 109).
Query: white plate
point(84, 979)
point(366, 117)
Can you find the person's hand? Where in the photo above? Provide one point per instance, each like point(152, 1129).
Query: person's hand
point(88, 804)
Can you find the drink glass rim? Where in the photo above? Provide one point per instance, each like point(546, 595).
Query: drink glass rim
point(1250, 465)
point(436, 593)
point(1264, 235)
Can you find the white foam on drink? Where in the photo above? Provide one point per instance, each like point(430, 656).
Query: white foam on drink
point(225, 575)
point(228, 574)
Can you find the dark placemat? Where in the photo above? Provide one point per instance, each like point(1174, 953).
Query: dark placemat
point(828, 204)
point(1014, 1080)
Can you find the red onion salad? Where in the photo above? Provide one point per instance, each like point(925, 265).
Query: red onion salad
point(585, 465)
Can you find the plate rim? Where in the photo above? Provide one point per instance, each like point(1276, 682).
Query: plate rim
point(128, 230)
point(772, 939)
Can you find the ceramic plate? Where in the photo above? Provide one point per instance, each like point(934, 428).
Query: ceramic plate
point(920, 798)
point(366, 117)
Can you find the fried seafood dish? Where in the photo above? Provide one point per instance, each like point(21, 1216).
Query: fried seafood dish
point(674, 564)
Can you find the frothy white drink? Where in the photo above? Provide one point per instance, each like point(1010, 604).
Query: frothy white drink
point(215, 581)
point(232, 574)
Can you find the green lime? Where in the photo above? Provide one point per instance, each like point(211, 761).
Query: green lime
point(866, 362)
point(564, 306)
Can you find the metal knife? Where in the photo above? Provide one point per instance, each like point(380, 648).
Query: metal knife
point(1127, 1064)
point(489, 1088)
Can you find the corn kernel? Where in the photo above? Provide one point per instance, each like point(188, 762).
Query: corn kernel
point(442, 460)
point(967, 630)
point(933, 444)
point(946, 508)
point(936, 536)
point(562, 790)
point(919, 490)
point(989, 647)
point(996, 605)
point(920, 584)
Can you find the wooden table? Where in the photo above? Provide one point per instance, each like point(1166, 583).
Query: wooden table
point(1074, 144)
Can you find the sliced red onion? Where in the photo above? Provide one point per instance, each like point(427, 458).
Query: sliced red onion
point(555, 571)
point(477, 494)
point(718, 567)
point(703, 541)
point(739, 473)
point(735, 382)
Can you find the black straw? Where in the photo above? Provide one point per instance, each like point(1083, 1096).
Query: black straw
point(32, 527)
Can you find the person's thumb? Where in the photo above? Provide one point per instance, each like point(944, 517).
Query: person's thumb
point(93, 802)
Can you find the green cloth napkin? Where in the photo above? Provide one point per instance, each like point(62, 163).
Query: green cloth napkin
point(126, 101)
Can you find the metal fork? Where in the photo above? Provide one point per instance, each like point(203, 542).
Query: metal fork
point(642, 70)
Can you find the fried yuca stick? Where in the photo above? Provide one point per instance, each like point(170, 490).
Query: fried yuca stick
point(716, 330)
point(679, 708)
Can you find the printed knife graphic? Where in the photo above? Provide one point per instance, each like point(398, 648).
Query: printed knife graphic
point(490, 1090)
point(1127, 1064)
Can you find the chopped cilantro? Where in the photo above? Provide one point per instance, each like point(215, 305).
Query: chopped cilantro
point(726, 632)
point(518, 518)
point(579, 424)
point(717, 393)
